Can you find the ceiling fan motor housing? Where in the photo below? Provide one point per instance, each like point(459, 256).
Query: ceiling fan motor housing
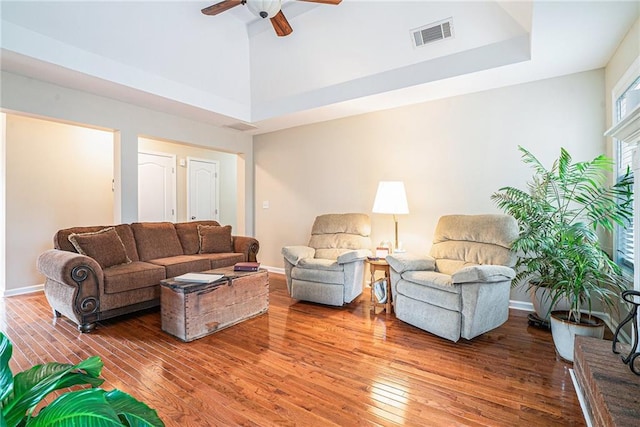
point(264, 8)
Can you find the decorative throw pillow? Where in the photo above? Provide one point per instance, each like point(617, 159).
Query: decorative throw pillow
point(215, 239)
point(105, 246)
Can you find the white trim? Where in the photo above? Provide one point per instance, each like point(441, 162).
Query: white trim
point(623, 83)
point(581, 399)
point(521, 305)
point(627, 130)
point(23, 291)
point(277, 270)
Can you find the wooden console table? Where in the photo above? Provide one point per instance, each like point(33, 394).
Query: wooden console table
point(611, 391)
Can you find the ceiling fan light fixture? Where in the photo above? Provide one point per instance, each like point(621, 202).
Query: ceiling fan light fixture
point(264, 8)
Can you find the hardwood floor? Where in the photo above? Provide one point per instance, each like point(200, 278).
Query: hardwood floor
point(310, 365)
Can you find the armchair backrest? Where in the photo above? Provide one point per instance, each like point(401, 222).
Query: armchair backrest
point(461, 240)
point(334, 234)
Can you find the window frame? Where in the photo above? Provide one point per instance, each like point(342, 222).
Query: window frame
point(623, 158)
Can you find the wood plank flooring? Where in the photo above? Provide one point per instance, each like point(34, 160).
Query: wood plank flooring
point(304, 364)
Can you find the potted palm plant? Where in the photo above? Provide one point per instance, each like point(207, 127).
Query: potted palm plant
point(559, 216)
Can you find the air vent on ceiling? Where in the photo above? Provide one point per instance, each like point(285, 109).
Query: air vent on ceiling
point(241, 126)
point(432, 32)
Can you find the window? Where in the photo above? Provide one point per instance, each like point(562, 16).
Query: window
point(624, 235)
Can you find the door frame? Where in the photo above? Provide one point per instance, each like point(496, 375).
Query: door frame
point(174, 185)
point(217, 185)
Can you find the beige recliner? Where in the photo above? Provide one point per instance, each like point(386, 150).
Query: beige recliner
point(462, 289)
point(330, 269)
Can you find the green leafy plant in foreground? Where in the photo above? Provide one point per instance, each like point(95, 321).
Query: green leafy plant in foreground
point(559, 217)
point(20, 394)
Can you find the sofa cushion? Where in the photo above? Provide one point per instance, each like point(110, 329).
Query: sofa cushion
point(135, 275)
point(215, 239)
point(222, 260)
point(105, 246)
point(61, 238)
point(181, 264)
point(156, 240)
point(189, 237)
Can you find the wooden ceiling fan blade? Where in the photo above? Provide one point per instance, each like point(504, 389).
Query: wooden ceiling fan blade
point(324, 1)
point(220, 7)
point(281, 25)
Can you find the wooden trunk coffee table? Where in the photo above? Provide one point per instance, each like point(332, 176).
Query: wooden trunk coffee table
point(193, 310)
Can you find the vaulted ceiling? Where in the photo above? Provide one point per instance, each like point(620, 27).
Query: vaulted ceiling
point(232, 69)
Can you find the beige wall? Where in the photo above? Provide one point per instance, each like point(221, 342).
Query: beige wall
point(228, 176)
point(57, 176)
point(452, 155)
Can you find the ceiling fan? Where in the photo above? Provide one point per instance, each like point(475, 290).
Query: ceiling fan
point(263, 9)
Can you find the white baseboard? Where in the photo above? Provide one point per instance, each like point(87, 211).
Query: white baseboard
point(23, 290)
point(521, 305)
point(270, 269)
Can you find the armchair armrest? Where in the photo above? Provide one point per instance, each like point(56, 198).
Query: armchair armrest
point(352, 256)
point(247, 246)
point(407, 262)
point(294, 254)
point(482, 273)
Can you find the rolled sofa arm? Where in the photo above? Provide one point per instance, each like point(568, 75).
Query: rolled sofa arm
point(247, 246)
point(73, 285)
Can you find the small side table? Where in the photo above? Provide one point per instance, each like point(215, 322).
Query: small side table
point(380, 265)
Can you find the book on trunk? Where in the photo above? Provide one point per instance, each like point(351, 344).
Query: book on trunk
point(246, 266)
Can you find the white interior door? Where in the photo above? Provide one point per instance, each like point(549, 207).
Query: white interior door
point(156, 187)
point(202, 189)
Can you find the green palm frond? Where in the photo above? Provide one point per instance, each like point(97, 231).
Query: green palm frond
point(559, 215)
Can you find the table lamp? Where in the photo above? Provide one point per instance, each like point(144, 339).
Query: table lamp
point(391, 199)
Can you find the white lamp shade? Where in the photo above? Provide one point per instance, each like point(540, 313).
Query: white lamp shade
point(260, 7)
point(391, 198)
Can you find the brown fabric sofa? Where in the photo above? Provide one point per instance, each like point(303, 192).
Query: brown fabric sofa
point(119, 268)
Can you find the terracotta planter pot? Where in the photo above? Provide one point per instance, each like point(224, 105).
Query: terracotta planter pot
point(563, 331)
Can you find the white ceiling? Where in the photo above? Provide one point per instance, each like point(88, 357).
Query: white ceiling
point(340, 60)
